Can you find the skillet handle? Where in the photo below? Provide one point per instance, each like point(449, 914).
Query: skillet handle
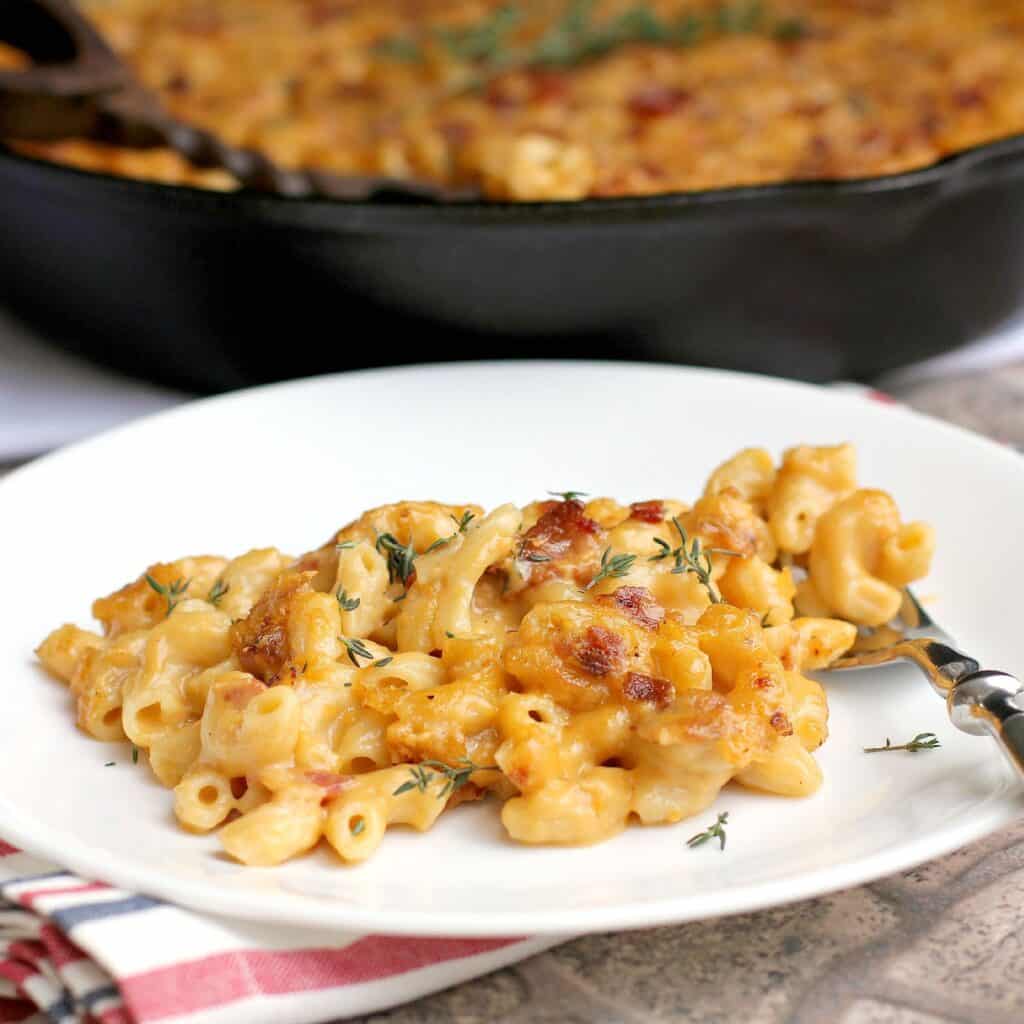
point(72, 68)
point(79, 88)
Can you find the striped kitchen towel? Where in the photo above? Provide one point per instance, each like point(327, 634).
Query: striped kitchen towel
point(79, 952)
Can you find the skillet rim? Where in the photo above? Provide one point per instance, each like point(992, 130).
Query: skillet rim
point(950, 171)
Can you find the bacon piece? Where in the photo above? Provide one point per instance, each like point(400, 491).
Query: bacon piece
point(647, 511)
point(239, 694)
point(261, 639)
point(198, 22)
point(239, 786)
point(465, 794)
point(657, 100)
point(320, 12)
point(638, 604)
point(178, 83)
point(547, 85)
point(330, 782)
point(517, 89)
point(600, 651)
point(781, 724)
point(456, 133)
point(970, 96)
point(551, 537)
point(649, 690)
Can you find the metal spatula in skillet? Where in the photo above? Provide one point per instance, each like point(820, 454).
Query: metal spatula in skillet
point(79, 88)
point(979, 701)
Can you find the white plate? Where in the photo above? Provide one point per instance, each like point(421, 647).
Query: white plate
point(288, 464)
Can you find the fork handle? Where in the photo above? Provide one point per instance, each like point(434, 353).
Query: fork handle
point(993, 703)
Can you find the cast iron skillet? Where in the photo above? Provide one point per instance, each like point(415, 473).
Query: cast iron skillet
point(813, 280)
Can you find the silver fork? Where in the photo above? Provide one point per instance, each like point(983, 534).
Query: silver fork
point(979, 701)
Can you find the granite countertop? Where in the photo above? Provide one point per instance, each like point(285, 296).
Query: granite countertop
point(940, 944)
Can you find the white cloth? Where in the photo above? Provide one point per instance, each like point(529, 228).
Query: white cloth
point(49, 398)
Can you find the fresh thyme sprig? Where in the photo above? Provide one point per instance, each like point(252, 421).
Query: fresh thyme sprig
point(691, 557)
point(569, 495)
point(135, 754)
point(346, 603)
point(789, 30)
point(217, 591)
point(613, 567)
point(400, 558)
point(400, 48)
point(922, 741)
point(382, 662)
point(345, 545)
point(576, 35)
point(467, 518)
point(716, 831)
point(356, 650)
point(485, 39)
point(455, 776)
point(173, 592)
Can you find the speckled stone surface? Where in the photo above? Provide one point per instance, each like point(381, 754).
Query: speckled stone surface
point(943, 943)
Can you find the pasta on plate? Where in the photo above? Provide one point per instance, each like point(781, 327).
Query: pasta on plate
point(590, 664)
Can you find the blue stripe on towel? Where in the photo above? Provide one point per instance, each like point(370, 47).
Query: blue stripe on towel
point(71, 917)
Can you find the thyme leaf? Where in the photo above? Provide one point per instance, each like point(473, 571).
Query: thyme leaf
point(356, 650)
point(173, 593)
point(576, 35)
point(454, 776)
point(464, 521)
point(346, 603)
point(613, 567)
point(922, 741)
point(400, 558)
point(716, 831)
point(689, 556)
point(569, 495)
point(790, 29)
point(531, 556)
point(217, 591)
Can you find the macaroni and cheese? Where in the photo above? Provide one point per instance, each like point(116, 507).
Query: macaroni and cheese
point(589, 664)
point(566, 99)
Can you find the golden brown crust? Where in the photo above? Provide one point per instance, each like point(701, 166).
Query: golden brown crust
point(260, 640)
point(861, 90)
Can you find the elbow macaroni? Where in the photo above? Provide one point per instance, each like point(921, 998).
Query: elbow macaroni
point(430, 654)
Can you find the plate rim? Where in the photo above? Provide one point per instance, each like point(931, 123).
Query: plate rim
point(843, 391)
point(276, 908)
point(67, 851)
